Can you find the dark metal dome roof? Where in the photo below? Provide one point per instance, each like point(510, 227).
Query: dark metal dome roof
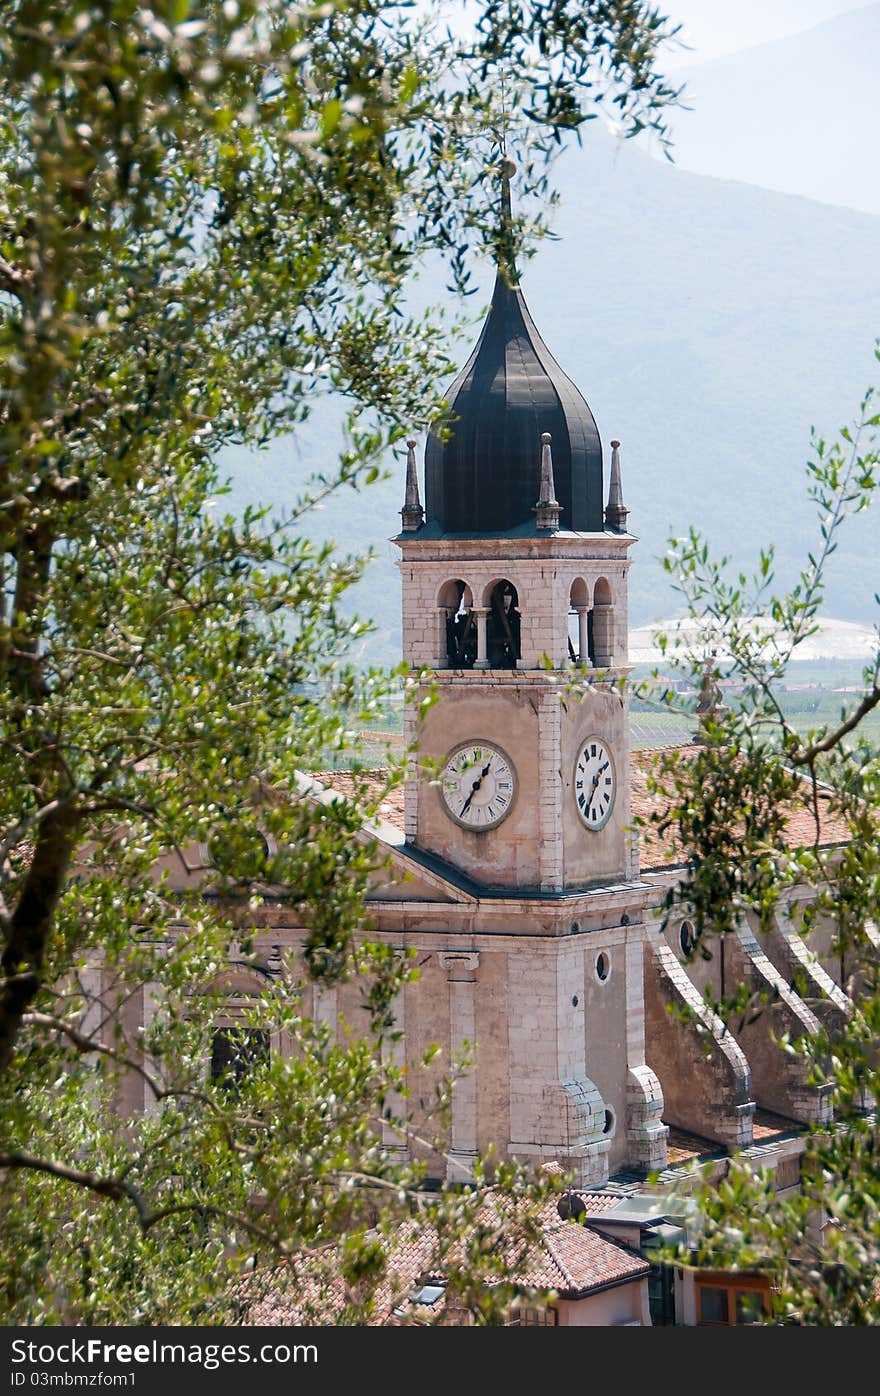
point(484, 478)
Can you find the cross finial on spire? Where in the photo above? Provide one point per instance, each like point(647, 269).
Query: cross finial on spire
point(548, 509)
point(505, 247)
point(616, 511)
point(412, 513)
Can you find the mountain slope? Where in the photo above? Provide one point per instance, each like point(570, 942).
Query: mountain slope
point(798, 115)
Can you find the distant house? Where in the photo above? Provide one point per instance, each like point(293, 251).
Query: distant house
point(571, 1276)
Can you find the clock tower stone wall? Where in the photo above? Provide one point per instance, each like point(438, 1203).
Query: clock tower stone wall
point(538, 713)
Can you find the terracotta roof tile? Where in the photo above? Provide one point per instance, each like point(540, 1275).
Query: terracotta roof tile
point(767, 1125)
point(683, 1146)
point(570, 1259)
point(597, 1202)
point(663, 851)
point(577, 1259)
point(391, 804)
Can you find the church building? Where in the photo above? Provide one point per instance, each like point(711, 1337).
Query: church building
point(510, 864)
point(515, 873)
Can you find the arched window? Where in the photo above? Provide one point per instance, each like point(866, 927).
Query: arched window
point(503, 626)
point(602, 617)
point(456, 605)
point(580, 624)
point(238, 1046)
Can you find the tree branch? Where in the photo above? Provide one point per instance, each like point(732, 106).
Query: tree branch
point(85, 1044)
point(809, 754)
point(14, 280)
point(30, 926)
point(113, 1188)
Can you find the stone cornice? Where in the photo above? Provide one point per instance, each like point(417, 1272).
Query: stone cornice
point(561, 547)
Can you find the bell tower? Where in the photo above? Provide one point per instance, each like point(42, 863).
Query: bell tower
point(514, 576)
point(514, 579)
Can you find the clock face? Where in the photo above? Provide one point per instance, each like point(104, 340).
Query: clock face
point(478, 785)
point(595, 783)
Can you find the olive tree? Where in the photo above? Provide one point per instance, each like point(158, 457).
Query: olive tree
point(208, 212)
point(729, 801)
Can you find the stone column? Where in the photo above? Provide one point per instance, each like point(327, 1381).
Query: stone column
point(582, 1112)
point(532, 1048)
point(482, 660)
point(152, 1001)
point(461, 968)
point(603, 635)
point(646, 1134)
point(127, 1014)
point(583, 646)
point(411, 787)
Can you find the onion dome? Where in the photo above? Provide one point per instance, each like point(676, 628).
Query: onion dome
point(480, 473)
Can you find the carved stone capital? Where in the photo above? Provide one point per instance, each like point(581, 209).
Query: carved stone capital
point(460, 965)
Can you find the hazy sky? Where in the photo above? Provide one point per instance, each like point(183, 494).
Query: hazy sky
point(723, 26)
point(811, 121)
point(713, 27)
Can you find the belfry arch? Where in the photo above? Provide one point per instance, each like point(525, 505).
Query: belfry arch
point(457, 639)
point(580, 624)
point(503, 648)
point(602, 616)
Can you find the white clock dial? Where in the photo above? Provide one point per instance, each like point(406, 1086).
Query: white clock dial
point(595, 783)
point(478, 785)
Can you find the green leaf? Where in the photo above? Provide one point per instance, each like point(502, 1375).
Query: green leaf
point(331, 117)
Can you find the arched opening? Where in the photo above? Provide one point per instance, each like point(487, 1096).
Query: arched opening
point(602, 616)
point(238, 1046)
point(456, 608)
point(502, 626)
point(602, 593)
point(580, 624)
point(245, 860)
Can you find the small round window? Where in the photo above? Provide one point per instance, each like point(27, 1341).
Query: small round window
point(687, 938)
point(603, 967)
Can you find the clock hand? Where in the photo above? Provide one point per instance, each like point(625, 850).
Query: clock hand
point(594, 787)
point(475, 787)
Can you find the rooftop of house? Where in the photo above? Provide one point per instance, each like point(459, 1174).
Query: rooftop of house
point(569, 1260)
